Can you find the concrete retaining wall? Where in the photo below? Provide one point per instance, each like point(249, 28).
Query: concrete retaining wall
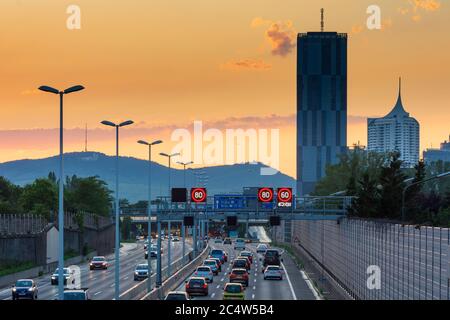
point(413, 262)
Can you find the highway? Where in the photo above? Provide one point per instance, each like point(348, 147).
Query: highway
point(292, 287)
point(101, 282)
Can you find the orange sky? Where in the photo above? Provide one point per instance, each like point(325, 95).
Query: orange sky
point(165, 64)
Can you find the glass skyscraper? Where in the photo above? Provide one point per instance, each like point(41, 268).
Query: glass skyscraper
point(321, 104)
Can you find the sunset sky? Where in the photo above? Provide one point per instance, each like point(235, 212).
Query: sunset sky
point(230, 64)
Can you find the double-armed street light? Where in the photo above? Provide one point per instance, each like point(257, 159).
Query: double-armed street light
point(61, 183)
point(184, 164)
point(117, 218)
point(149, 210)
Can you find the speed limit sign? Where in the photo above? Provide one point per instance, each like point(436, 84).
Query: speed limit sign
point(265, 194)
point(284, 197)
point(198, 194)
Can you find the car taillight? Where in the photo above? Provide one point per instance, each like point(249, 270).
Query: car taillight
point(187, 285)
point(196, 273)
point(205, 286)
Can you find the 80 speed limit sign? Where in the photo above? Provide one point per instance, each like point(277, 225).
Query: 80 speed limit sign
point(265, 194)
point(198, 194)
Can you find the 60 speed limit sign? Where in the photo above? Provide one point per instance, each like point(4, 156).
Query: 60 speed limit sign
point(265, 194)
point(284, 196)
point(198, 194)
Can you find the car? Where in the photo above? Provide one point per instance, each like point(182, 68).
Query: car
point(217, 240)
point(273, 272)
point(177, 295)
point(196, 285)
point(24, 289)
point(213, 264)
point(218, 263)
point(249, 264)
point(77, 294)
point(141, 272)
point(175, 239)
point(205, 272)
point(240, 263)
point(239, 244)
point(227, 241)
point(239, 275)
point(68, 276)
point(218, 253)
point(247, 254)
point(233, 291)
point(271, 257)
point(98, 263)
point(153, 252)
point(261, 248)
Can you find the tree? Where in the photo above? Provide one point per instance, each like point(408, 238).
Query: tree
point(9, 196)
point(87, 195)
point(413, 193)
point(364, 205)
point(391, 185)
point(40, 197)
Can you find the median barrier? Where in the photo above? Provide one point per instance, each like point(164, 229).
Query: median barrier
point(174, 281)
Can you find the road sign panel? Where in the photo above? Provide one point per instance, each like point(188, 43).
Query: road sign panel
point(198, 194)
point(265, 194)
point(284, 197)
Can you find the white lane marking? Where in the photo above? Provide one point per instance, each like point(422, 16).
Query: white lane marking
point(213, 294)
point(254, 287)
point(112, 285)
point(289, 281)
point(254, 280)
point(126, 278)
point(253, 296)
point(97, 293)
point(218, 286)
point(221, 280)
point(310, 286)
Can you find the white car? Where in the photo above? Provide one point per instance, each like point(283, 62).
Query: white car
point(204, 272)
point(239, 244)
point(273, 272)
point(262, 248)
point(68, 276)
point(177, 295)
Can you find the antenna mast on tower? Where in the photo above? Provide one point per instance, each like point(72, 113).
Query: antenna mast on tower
point(321, 20)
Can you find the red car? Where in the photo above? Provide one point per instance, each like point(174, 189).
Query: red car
point(98, 263)
point(239, 275)
point(196, 285)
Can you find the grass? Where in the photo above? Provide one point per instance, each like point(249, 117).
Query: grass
point(291, 252)
point(70, 254)
point(15, 267)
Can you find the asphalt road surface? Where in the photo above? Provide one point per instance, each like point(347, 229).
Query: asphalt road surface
point(292, 287)
point(101, 282)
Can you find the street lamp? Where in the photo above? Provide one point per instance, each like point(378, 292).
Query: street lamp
point(117, 236)
point(184, 164)
point(61, 184)
point(442, 175)
point(169, 156)
point(149, 208)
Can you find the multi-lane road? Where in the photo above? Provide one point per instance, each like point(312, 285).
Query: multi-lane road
point(293, 286)
point(101, 282)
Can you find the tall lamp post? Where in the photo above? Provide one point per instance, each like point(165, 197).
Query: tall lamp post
point(117, 236)
point(61, 184)
point(149, 208)
point(169, 156)
point(184, 164)
point(442, 175)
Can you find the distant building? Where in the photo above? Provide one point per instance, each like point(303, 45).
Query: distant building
point(396, 131)
point(321, 105)
point(434, 155)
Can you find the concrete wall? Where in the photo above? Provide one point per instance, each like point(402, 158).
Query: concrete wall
point(414, 262)
point(23, 248)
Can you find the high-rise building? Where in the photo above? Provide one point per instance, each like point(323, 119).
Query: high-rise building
point(396, 131)
point(441, 154)
point(321, 104)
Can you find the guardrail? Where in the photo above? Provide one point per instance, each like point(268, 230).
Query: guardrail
point(174, 281)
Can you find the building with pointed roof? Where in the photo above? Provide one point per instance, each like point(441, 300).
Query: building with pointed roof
point(396, 131)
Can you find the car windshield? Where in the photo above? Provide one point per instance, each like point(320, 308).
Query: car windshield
point(273, 268)
point(142, 267)
point(24, 283)
point(176, 296)
point(216, 252)
point(98, 259)
point(204, 269)
point(245, 254)
point(239, 271)
point(239, 240)
point(196, 281)
point(66, 271)
point(271, 253)
point(210, 263)
point(74, 296)
point(233, 288)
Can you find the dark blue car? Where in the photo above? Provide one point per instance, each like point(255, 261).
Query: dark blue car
point(24, 289)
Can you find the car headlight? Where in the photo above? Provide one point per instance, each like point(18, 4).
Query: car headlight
point(136, 273)
point(14, 289)
point(53, 277)
point(30, 289)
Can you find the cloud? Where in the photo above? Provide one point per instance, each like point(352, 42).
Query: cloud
point(30, 92)
point(418, 6)
point(246, 64)
point(280, 35)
